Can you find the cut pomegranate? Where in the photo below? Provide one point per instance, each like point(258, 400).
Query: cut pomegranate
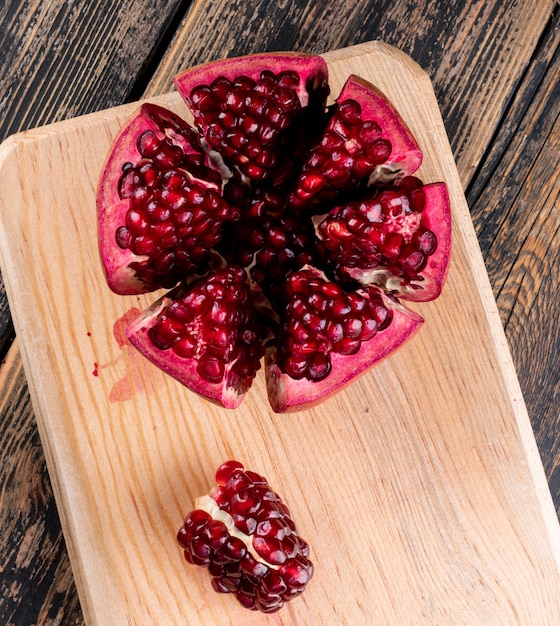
point(329, 337)
point(389, 239)
point(365, 142)
point(257, 111)
point(311, 212)
point(243, 533)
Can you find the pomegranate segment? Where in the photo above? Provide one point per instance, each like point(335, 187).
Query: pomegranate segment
point(207, 335)
point(160, 205)
point(329, 337)
point(366, 142)
point(254, 115)
point(312, 212)
point(243, 533)
point(389, 238)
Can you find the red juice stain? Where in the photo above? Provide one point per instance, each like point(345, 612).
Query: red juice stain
point(120, 326)
point(136, 366)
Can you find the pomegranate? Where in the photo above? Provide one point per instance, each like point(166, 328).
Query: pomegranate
point(243, 533)
point(285, 228)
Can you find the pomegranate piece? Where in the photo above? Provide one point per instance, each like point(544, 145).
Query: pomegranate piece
point(312, 212)
point(330, 336)
point(243, 534)
point(207, 335)
point(160, 204)
point(365, 142)
point(257, 117)
point(389, 238)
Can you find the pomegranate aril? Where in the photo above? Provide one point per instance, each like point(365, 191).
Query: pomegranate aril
point(426, 241)
point(225, 470)
point(196, 521)
point(378, 151)
point(234, 549)
point(319, 366)
point(272, 527)
point(224, 585)
point(200, 550)
point(148, 144)
point(245, 502)
point(238, 481)
point(296, 572)
point(269, 549)
point(245, 524)
point(216, 534)
point(350, 112)
point(273, 583)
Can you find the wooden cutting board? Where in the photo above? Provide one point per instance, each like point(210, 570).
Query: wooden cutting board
point(419, 487)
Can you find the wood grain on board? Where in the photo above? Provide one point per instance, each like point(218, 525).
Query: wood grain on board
point(420, 486)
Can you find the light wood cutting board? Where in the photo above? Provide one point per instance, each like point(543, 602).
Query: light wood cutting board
point(419, 487)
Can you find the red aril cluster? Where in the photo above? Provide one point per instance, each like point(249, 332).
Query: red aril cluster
point(323, 319)
point(245, 120)
point(243, 533)
point(211, 333)
point(279, 188)
point(383, 231)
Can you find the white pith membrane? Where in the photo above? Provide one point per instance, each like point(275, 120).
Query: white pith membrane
point(385, 279)
point(209, 505)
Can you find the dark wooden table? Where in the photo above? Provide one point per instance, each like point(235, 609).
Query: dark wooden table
point(495, 67)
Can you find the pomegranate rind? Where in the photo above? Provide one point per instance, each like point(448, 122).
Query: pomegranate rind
point(308, 66)
point(437, 218)
point(111, 209)
point(182, 369)
point(288, 395)
point(406, 156)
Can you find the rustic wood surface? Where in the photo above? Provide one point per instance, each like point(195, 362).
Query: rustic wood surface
point(448, 469)
point(495, 71)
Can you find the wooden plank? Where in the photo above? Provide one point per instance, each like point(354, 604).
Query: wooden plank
point(50, 73)
point(33, 549)
point(450, 517)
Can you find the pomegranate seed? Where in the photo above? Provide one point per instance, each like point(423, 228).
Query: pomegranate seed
point(245, 502)
point(148, 144)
